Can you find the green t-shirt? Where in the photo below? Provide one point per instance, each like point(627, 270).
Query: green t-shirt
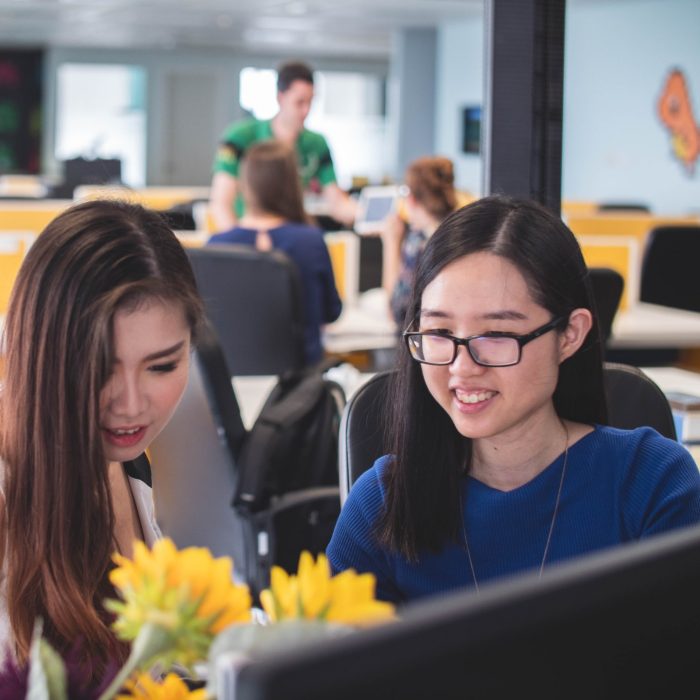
point(315, 162)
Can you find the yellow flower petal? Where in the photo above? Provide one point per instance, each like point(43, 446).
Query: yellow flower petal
point(188, 593)
point(172, 687)
point(314, 594)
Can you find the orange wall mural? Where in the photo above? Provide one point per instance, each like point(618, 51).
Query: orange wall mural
point(676, 112)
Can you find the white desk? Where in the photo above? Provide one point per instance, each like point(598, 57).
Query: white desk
point(675, 379)
point(363, 325)
point(651, 326)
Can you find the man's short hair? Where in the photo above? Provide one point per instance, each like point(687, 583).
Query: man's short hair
point(287, 73)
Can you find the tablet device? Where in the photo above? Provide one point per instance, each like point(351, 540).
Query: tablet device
point(375, 203)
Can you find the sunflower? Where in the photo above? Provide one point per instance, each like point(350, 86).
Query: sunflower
point(313, 594)
point(175, 601)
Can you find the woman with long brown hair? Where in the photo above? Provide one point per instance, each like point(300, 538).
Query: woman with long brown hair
point(275, 218)
point(97, 345)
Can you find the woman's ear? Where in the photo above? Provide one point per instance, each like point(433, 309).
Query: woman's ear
point(580, 323)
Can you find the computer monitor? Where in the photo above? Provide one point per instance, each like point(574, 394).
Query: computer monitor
point(97, 171)
point(624, 623)
point(373, 206)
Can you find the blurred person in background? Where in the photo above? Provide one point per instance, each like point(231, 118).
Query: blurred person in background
point(275, 218)
point(431, 197)
point(295, 92)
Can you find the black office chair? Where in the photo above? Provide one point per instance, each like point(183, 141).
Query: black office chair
point(253, 299)
point(633, 400)
point(195, 473)
point(607, 285)
point(669, 267)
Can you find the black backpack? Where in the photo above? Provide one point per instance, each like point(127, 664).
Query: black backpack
point(288, 471)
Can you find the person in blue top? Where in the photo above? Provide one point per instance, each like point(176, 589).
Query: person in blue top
point(274, 218)
point(500, 460)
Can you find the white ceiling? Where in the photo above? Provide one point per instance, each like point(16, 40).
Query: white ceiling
point(329, 27)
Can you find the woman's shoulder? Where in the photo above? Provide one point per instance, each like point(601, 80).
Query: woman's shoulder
point(642, 442)
point(369, 485)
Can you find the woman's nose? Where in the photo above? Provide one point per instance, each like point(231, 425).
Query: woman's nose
point(464, 362)
point(127, 397)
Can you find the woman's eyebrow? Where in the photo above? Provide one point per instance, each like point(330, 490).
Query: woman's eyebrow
point(504, 315)
point(165, 352)
point(501, 315)
point(433, 313)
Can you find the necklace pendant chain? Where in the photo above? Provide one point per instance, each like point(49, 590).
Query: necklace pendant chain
point(555, 512)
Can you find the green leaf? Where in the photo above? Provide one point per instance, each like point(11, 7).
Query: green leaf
point(47, 673)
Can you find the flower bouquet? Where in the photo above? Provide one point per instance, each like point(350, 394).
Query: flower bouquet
point(182, 612)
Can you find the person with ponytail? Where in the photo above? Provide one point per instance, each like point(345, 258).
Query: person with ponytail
point(430, 197)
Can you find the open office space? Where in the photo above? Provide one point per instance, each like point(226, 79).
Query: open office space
point(591, 107)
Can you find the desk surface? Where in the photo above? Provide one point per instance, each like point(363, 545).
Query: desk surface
point(675, 379)
point(363, 325)
point(651, 326)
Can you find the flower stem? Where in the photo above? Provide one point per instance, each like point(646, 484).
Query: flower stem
point(151, 640)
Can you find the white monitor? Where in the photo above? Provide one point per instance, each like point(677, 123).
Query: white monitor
point(374, 205)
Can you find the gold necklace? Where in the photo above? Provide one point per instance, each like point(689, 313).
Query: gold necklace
point(551, 524)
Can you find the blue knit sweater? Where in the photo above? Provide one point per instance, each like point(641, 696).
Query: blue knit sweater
point(619, 486)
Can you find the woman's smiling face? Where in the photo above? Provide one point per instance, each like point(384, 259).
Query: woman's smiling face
point(480, 293)
point(149, 376)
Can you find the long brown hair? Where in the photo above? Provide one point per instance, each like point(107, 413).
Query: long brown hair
point(57, 523)
point(270, 181)
point(431, 180)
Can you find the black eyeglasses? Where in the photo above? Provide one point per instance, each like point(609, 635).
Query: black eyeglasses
point(489, 350)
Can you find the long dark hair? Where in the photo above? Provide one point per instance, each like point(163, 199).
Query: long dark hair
point(57, 522)
point(270, 180)
point(422, 481)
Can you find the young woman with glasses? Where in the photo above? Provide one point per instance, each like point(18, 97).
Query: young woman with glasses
point(96, 343)
point(500, 460)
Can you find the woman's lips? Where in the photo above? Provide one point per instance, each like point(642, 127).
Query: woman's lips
point(124, 437)
point(472, 401)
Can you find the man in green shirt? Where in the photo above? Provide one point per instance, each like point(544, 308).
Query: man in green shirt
point(295, 91)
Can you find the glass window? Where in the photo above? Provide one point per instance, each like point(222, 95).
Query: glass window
point(100, 113)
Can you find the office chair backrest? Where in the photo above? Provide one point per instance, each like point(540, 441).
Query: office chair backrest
point(633, 400)
point(670, 267)
point(193, 460)
point(253, 299)
point(607, 285)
